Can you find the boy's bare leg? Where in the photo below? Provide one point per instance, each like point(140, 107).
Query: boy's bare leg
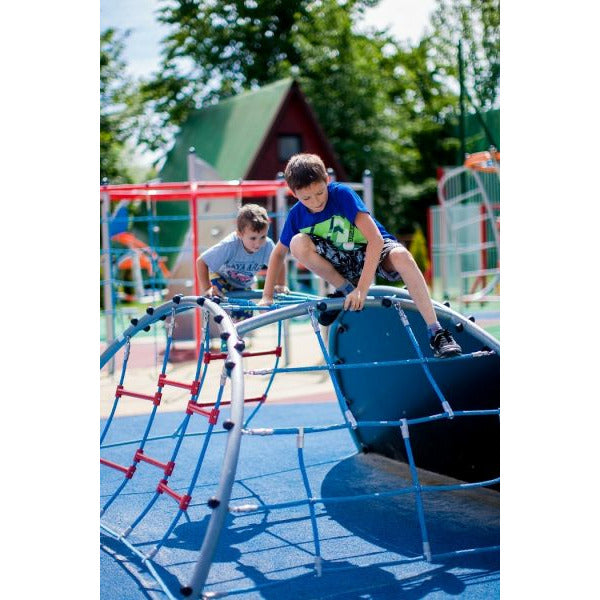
point(402, 261)
point(303, 249)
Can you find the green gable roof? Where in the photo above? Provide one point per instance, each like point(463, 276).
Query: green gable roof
point(227, 135)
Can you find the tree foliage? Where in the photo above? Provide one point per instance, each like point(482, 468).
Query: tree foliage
point(385, 105)
point(115, 126)
point(476, 23)
point(418, 249)
point(217, 48)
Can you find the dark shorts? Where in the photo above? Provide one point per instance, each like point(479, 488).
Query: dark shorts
point(349, 263)
point(237, 314)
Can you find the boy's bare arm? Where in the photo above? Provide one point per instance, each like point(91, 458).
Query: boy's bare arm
point(275, 272)
point(206, 287)
point(355, 300)
point(281, 281)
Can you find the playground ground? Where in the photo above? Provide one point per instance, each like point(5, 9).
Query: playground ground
point(369, 548)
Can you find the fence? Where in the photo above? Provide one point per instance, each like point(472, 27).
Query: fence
point(464, 239)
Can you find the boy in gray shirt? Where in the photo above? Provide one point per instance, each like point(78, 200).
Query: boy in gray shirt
point(231, 264)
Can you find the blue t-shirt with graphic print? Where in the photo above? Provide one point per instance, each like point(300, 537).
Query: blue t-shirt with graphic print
point(234, 263)
point(334, 223)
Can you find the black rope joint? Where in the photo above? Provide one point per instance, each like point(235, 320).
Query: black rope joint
point(228, 425)
point(149, 311)
point(134, 322)
point(219, 318)
point(459, 326)
point(213, 503)
point(200, 300)
point(471, 318)
point(186, 591)
point(225, 335)
point(386, 302)
point(177, 298)
point(240, 346)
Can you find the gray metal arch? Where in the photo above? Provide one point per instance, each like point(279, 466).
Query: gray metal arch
point(399, 296)
point(375, 295)
point(232, 448)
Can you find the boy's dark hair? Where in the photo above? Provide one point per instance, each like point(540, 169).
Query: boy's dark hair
point(253, 216)
point(304, 169)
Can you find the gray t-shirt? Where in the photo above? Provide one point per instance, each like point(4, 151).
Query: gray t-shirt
point(234, 263)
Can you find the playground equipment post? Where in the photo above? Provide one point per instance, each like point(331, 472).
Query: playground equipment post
point(194, 216)
point(108, 284)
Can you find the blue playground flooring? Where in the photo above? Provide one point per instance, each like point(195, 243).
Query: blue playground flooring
point(371, 549)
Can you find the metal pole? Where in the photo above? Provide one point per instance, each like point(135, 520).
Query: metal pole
point(461, 80)
point(136, 271)
point(281, 210)
point(367, 180)
point(191, 163)
point(280, 205)
point(108, 278)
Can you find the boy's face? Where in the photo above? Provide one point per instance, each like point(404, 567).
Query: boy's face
point(253, 240)
point(313, 196)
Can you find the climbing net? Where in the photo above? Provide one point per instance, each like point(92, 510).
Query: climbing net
point(170, 456)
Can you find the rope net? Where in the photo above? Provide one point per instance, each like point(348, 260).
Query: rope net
point(177, 472)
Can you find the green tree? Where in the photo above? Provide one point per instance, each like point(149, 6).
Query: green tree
point(422, 102)
point(426, 92)
point(477, 24)
point(116, 122)
point(418, 249)
point(348, 79)
point(384, 104)
point(217, 48)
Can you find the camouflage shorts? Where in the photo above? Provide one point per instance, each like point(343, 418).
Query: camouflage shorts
point(237, 314)
point(349, 263)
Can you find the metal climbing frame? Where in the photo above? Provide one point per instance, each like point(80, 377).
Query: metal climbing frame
point(233, 369)
point(235, 426)
point(465, 234)
point(199, 196)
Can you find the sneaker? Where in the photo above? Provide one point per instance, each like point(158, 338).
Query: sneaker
point(443, 345)
point(327, 317)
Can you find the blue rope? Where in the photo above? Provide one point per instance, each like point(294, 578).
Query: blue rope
point(271, 379)
point(349, 423)
point(116, 400)
point(311, 505)
point(414, 342)
point(348, 417)
point(417, 489)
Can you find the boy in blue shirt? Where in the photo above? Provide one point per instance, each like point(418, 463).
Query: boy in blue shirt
point(331, 232)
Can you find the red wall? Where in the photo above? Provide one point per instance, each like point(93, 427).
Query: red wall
point(295, 118)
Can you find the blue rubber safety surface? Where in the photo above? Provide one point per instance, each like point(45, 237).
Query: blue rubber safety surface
point(371, 549)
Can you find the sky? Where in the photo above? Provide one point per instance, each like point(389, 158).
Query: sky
point(407, 20)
